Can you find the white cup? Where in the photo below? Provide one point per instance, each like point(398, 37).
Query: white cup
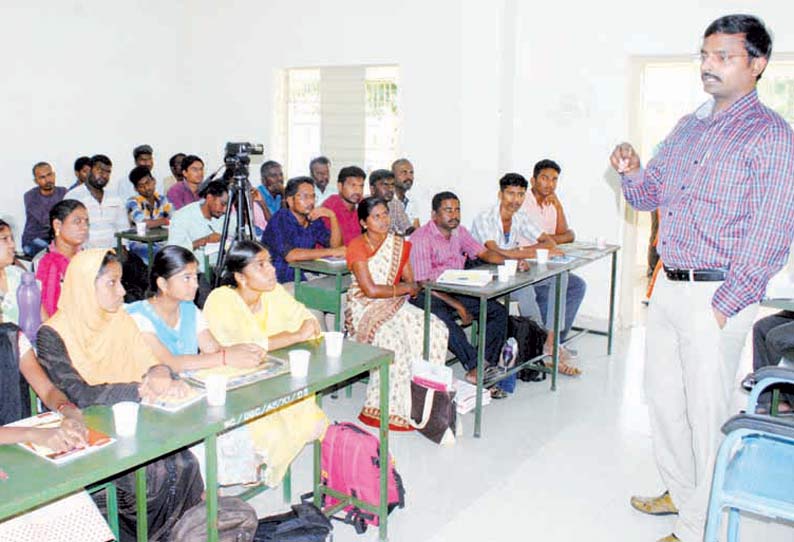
point(125, 418)
point(542, 255)
point(502, 273)
point(512, 267)
point(601, 243)
point(140, 228)
point(216, 390)
point(333, 343)
point(299, 363)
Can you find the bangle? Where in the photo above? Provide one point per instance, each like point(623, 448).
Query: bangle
point(393, 290)
point(64, 405)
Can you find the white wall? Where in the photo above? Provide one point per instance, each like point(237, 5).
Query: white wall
point(485, 86)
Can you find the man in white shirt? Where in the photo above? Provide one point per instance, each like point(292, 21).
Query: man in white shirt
point(107, 214)
point(403, 171)
point(320, 171)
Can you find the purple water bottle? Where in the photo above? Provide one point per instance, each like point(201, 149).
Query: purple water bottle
point(29, 303)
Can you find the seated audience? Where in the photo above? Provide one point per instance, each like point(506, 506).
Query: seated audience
point(108, 215)
point(773, 340)
point(92, 350)
point(10, 275)
point(198, 226)
point(381, 185)
point(504, 229)
point(175, 163)
point(38, 202)
point(343, 204)
point(544, 208)
point(186, 191)
point(69, 227)
point(414, 207)
point(294, 233)
point(378, 311)
point(82, 167)
point(17, 362)
point(320, 172)
point(143, 157)
point(272, 187)
point(252, 307)
point(443, 244)
point(147, 206)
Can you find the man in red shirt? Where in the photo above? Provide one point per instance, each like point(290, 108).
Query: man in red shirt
point(345, 203)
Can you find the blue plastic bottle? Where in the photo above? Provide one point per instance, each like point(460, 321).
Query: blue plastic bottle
point(29, 303)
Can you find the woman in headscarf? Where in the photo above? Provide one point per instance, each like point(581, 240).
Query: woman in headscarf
point(378, 313)
point(251, 307)
point(93, 351)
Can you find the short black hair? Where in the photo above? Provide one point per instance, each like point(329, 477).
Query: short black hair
point(322, 160)
point(101, 159)
point(757, 41)
point(366, 205)
point(380, 175)
point(441, 196)
point(546, 164)
point(267, 166)
point(82, 162)
point(294, 184)
point(215, 189)
point(513, 179)
point(37, 165)
point(172, 160)
point(138, 173)
point(141, 149)
point(169, 260)
point(189, 159)
point(350, 172)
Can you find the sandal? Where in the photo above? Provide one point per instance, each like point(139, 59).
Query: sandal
point(563, 368)
point(498, 393)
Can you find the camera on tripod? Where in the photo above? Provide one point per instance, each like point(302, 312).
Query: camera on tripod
point(238, 156)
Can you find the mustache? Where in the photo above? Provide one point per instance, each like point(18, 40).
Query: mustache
point(711, 75)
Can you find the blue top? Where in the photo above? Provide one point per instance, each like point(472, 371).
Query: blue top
point(283, 233)
point(180, 342)
point(273, 202)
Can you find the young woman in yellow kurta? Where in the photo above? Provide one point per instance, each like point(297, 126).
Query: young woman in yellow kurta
point(251, 307)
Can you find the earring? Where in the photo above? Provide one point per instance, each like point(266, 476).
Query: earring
point(57, 233)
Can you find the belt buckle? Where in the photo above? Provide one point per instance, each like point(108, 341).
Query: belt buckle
point(690, 274)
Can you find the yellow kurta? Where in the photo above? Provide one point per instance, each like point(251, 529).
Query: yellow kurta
point(280, 435)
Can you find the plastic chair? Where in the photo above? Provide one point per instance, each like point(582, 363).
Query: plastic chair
point(754, 470)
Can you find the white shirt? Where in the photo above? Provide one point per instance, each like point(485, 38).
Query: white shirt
point(488, 227)
point(105, 219)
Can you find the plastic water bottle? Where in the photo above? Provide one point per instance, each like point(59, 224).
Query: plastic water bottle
point(29, 303)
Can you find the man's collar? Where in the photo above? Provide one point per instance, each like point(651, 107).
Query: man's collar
point(436, 231)
point(747, 101)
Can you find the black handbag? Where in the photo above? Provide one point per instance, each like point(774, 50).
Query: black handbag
point(530, 338)
point(236, 522)
point(305, 523)
point(434, 413)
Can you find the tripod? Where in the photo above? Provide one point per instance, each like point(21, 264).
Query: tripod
point(240, 204)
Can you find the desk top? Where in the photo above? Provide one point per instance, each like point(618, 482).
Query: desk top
point(536, 272)
point(781, 303)
point(153, 235)
point(33, 480)
point(322, 267)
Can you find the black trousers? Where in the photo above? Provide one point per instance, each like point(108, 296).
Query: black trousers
point(773, 338)
point(495, 330)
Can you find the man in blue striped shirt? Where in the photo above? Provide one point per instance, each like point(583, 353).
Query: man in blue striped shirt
point(723, 182)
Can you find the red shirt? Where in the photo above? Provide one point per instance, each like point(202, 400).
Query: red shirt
point(348, 220)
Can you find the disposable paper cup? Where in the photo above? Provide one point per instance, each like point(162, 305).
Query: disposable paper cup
point(512, 267)
point(140, 228)
point(502, 273)
point(125, 418)
point(542, 255)
point(216, 390)
point(299, 363)
point(601, 242)
point(333, 343)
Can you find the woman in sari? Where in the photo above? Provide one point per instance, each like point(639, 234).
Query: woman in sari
point(18, 369)
point(92, 350)
point(377, 312)
point(10, 275)
point(69, 230)
point(251, 307)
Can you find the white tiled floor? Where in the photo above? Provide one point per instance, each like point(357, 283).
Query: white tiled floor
point(550, 466)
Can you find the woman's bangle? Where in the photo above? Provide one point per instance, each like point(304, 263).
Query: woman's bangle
point(64, 405)
point(394, 290)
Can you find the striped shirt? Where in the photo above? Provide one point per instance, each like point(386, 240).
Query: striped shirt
point(488, 227)
point(105, 219)
point(433, 253)
point(724, 185)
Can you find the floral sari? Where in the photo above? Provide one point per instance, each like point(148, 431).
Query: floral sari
point(396, 325)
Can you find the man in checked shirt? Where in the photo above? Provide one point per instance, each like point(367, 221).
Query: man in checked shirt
point(723, 181)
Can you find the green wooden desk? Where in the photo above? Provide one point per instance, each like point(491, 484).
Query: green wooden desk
point(496, 289)
point(323, 294)
point(33, 481)
point(152, 237)
point(780, 303)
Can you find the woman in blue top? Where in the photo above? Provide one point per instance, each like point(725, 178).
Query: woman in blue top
point(174, 327)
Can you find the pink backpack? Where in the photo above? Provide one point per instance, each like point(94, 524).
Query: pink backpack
point(350, 464)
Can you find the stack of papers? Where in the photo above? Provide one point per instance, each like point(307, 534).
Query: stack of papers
point(466, 397)
point(469, 277)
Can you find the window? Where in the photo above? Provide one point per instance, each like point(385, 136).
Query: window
point(348, 113)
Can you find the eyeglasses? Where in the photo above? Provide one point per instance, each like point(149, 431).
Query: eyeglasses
point(719, 57)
